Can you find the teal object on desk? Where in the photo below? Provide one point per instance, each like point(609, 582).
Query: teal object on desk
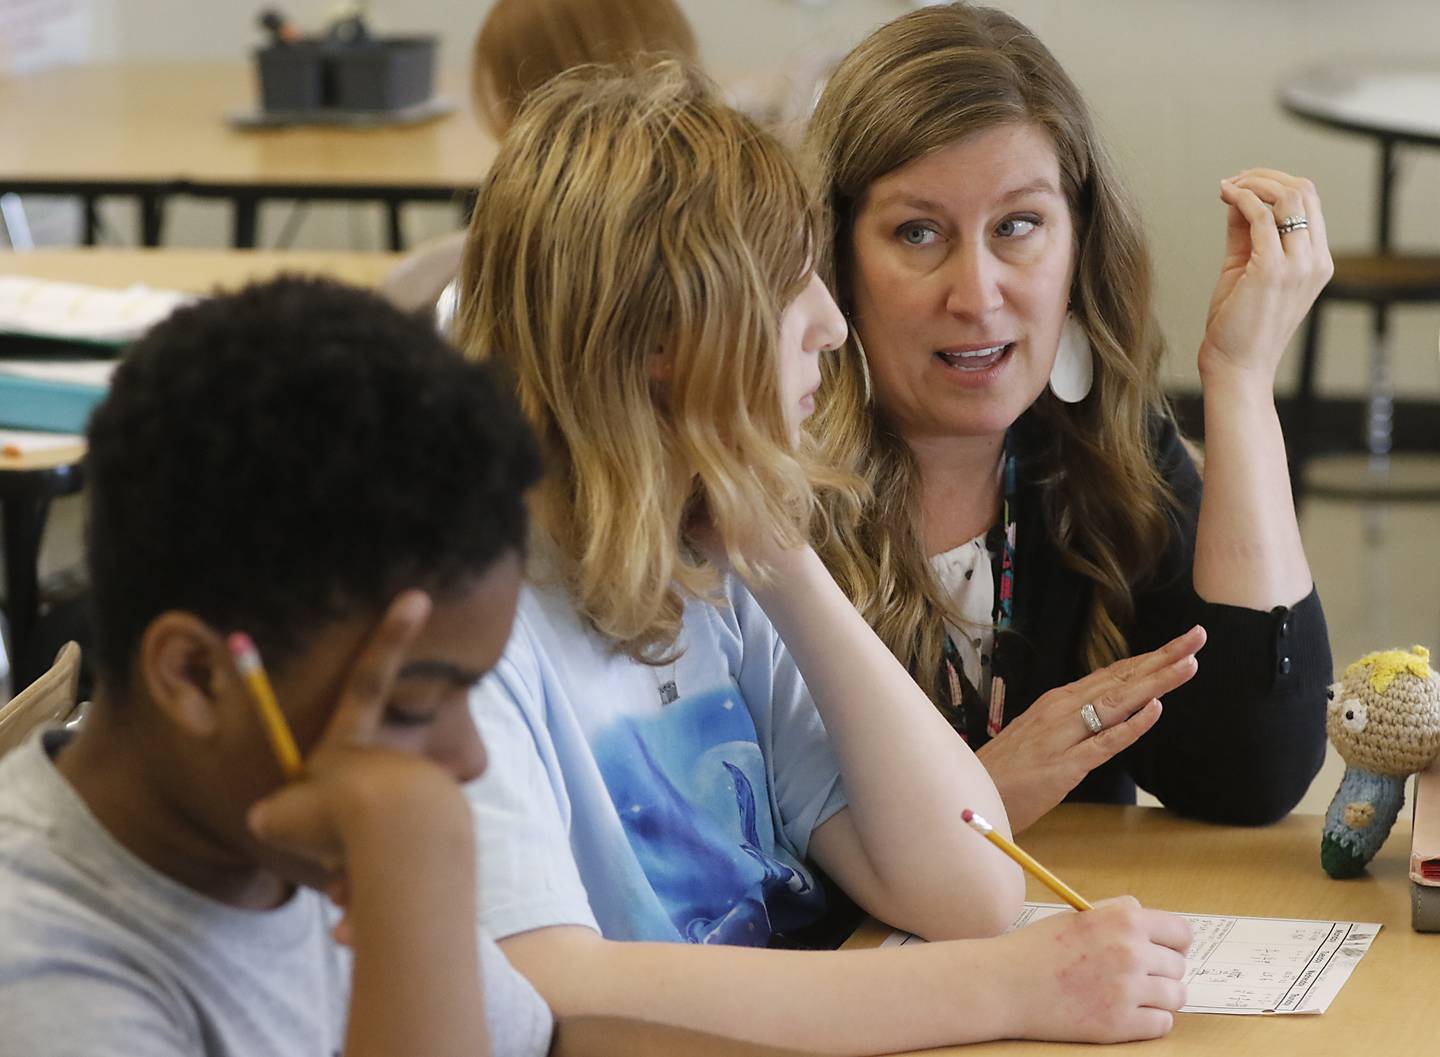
point(52, 406)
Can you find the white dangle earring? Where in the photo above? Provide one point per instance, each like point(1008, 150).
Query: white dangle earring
point(1074, 370)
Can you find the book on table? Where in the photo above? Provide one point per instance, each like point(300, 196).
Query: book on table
point(59, 342)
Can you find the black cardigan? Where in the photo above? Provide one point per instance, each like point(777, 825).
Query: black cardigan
point(1239, 743)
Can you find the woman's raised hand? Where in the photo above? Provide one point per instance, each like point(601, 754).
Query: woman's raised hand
point(1269, 279)
point(1046, 751)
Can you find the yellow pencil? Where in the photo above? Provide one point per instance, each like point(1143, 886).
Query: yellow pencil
point(1044, 876)
point(247, 659)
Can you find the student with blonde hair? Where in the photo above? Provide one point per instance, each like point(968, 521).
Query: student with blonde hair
point(689, 711)
point(521, 45)
point(524, 43)
point(1017, 534)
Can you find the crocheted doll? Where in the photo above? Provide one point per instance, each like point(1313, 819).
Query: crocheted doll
point(1384, 718)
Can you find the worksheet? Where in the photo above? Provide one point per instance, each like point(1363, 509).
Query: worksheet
point(1251, 966)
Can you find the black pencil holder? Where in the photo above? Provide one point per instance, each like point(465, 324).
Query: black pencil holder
point(374, 75)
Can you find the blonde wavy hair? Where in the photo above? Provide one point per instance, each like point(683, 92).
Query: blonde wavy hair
point(916, 85)
point(634, 229)
point(524, 43)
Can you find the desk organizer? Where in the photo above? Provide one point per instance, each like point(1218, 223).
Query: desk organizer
point(313, 79)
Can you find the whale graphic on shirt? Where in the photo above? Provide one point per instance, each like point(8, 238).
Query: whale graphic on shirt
point(691, 790)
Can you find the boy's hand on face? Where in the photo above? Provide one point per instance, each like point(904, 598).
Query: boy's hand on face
point(352, 791)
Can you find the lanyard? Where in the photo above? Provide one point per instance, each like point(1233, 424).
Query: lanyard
point(1002, 615)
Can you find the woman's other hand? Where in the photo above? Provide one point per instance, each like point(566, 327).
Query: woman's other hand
point(1048, 749)
point(1268, 280)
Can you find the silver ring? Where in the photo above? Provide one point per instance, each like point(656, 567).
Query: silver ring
point(1091, 718)
point(1294, 222)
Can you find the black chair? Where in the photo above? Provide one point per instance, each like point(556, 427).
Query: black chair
point(1380, 281)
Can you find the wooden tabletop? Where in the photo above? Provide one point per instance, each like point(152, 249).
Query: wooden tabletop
point(1386, 1008)
point(49, 459)
point(158, 122)
point(192, 271)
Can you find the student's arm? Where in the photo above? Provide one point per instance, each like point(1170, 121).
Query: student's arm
point(400, 830)
point(622, 1037)
point(1247, 548)
point(900, 848)
point(1108, 975)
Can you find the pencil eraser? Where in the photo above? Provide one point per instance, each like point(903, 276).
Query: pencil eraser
point(966, 815)
point(242, 648)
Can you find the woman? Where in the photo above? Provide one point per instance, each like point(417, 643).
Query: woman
point(640, 261)
point(1019, 535)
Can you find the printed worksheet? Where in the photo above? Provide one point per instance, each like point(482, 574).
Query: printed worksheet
point(1251, 966)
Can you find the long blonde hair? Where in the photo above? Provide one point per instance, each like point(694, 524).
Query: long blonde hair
point(918, 84)
point(524, 43)
point(635, 228)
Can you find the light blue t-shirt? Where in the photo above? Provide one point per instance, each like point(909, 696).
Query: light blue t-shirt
point(651, 803)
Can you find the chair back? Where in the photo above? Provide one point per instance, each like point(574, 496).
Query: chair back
point(46, 701)
point(416, 282)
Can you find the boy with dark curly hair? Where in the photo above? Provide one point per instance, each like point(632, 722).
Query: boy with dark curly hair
point(302, 463)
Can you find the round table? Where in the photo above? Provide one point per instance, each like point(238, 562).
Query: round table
point(1395, 102)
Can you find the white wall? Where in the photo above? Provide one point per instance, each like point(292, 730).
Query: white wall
point(1184, 90)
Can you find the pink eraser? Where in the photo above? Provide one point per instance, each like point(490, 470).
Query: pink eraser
point(240, 644)
point(966, 815)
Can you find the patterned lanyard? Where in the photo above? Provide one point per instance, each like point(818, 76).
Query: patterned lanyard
point(1001, 615)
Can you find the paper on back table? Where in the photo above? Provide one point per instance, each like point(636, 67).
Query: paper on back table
point(79, 312)
point(1250, 966)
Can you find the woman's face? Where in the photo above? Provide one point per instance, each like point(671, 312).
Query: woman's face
point(962, 267)
point(810, 325)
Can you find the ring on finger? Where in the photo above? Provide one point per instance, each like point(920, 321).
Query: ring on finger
point(1091, 718)
point(1294, 222)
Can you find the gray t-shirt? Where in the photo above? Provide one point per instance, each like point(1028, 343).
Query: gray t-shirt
point(101, 954)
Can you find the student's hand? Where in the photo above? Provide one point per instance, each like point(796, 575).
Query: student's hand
point(350, 789)
point(1268, 281)
point(759, 560)
point(1046, 750)
point(1112, 974)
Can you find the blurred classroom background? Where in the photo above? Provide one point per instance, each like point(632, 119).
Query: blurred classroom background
point(1185, 90)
